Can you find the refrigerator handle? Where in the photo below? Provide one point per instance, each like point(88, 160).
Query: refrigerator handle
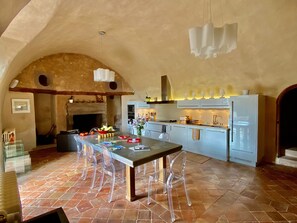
point(232, 114)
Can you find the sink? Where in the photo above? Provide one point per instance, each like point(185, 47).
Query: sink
point(219, 126)
point(194, 123)
point(168, 121)
point(206, 125)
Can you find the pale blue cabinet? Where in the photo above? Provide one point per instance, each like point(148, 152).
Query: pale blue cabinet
point(154, 130)
point(215, 144)
point(207, 141)
point(178, 134)
point(195, 138)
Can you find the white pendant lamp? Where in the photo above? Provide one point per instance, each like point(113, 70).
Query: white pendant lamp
point(209, 41)
point(13, 83)
point(101, 74)
point(104, 75)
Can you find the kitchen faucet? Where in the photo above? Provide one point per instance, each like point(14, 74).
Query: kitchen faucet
point(214, 120)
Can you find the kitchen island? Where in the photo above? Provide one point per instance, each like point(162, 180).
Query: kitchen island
point(212, 141)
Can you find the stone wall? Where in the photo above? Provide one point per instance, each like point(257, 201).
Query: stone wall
point(68, 72)
point(67, 75)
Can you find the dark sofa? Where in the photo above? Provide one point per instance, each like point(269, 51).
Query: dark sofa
point(66, 141)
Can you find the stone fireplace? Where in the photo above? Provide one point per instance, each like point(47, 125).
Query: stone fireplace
point(84, 115)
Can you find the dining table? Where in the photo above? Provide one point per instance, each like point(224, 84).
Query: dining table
point(125, 149)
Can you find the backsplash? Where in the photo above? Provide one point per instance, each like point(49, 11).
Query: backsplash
point(203, 116)
point(208, 116)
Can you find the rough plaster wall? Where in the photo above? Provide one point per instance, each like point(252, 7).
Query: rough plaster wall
point(24, 123)
point(67, 72)
point(9, 10)
point(43, 113)
point(60, 119)
point(147, 39)
point(114, 112)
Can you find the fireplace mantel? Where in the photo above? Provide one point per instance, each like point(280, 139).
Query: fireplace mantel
point(81, 108)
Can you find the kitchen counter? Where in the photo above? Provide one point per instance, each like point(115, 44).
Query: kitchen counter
point(170, 122)
point(207, 140)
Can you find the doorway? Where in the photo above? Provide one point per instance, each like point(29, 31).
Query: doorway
point(44, 119)
point(286, 120)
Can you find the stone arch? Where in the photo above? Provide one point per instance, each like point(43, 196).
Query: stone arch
point(286, 120)
point(68, 72)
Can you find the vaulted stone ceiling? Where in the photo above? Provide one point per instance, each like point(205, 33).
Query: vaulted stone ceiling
point(149, 38)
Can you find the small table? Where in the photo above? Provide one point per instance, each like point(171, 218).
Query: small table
point(158, 150)
point(15, 157)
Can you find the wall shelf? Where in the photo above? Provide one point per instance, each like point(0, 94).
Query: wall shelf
point(212, 103)
point(161, 102)
point(55, 92)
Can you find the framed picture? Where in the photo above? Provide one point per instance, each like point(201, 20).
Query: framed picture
point(20, 105)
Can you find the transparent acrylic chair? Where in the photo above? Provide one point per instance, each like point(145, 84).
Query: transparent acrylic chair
point(94, 131)
point(94, 157)
point(110, 167)
point(90, 156)
point(79, 146)
point(164, 136)
point(175, 175)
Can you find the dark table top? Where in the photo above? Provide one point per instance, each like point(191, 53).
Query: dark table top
point(133, 158)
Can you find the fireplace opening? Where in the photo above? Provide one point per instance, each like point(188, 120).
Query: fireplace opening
point(84, 123)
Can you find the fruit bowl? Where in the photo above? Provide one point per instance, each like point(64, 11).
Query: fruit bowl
point(106, 129)
point(102, 131)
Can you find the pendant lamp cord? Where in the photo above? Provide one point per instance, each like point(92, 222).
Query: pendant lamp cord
point(210, 12)
point(222, 13)
point(101, 33)
point(207, 12)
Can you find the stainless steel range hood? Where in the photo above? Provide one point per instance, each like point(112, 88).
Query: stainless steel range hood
point(165, 88)
point(166, 97)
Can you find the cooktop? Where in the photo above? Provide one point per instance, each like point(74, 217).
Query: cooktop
point(171, 120)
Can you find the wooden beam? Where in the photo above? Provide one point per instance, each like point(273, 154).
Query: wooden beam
point(54, 92)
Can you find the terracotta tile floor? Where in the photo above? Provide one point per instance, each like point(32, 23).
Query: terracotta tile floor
point(220, 192)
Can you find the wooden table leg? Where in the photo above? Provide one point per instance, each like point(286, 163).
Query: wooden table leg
point(162, 168)
point(130, 183)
